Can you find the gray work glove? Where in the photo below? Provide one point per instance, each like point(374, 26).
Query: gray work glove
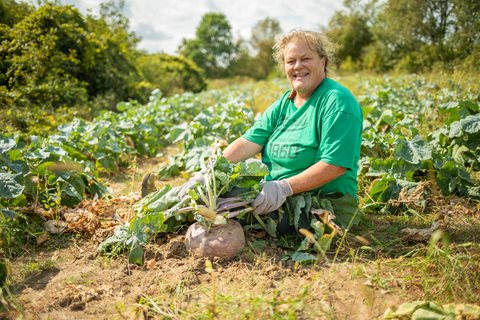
point(272, 196)
point(190, 184)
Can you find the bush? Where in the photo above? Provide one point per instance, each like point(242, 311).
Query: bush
point(171, 74)
point(55, 57)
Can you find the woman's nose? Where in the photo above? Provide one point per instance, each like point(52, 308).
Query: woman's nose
point(298, 64)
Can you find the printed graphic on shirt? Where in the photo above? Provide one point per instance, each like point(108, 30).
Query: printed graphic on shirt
point(283, 150)
point(292, 124)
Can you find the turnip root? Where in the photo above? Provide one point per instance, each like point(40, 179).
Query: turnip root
point(223, 241)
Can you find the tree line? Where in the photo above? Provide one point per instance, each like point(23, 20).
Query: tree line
point(407, 35)
point(394, 35)
point(54, 56)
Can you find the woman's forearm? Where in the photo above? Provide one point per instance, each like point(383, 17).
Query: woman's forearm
point(315, 176)
point(241, 150)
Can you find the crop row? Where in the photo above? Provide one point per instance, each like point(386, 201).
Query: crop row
point(414, 132)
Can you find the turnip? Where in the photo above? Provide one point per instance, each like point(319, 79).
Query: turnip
point(224, 241)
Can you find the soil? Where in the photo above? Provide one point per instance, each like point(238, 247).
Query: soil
point(84, 285)
point(75, 282)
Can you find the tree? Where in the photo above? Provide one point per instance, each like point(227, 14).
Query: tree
point(414, 32)
point(12, 12)
point(244, 64)
point(213, 48)
point(464, 37)
point(55, 57)
point(350, 30)
point(42, 56)
point(263, 40)
point(112, 68)
point(171, 74)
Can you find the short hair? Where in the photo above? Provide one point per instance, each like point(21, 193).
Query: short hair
point(318, 42)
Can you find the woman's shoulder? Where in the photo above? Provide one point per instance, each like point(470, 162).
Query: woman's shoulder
point(336, 98)
point(282, 101)
point(335, 88)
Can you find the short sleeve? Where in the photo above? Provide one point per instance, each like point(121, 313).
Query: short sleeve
point(341, 133)
point(264, 127)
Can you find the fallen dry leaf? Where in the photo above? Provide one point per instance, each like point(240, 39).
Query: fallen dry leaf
point(425, 234)
point(327, 218)
point(42, 238)
point(411, 199)
point(150, 264)
point(55, 226)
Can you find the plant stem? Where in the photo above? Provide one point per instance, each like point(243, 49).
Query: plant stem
point(263, 225)
point(227, 200)
point(236, 213)
point(202, 195)
point(227, 207)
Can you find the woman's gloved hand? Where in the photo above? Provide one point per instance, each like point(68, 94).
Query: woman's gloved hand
point(190, 184)
point(272, 196)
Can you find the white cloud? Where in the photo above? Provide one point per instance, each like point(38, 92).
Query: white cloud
point(162, 24)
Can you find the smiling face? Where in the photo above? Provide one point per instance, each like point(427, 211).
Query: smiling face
point(304, 68)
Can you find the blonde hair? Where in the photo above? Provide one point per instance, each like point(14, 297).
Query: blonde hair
point(318, 42)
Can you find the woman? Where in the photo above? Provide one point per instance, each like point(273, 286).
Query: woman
point(309, 138)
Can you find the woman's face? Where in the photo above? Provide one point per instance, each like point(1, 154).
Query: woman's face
point(305, 70)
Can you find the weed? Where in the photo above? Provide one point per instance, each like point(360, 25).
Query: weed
point(10, 307)
point(33, 266)
point(16, 235)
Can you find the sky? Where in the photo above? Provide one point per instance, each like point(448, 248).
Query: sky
point(163, 23)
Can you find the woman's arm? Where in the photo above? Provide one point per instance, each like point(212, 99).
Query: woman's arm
point(241, 150)
point(315, 176)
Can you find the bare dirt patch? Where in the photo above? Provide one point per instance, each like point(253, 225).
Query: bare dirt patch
point(66, 278)
point(83, 285)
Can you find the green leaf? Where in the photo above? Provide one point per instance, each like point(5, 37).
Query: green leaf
point(303, 258)
point(153, 222)
point(393, 167)
point(122, 106)
point(317, 227)
point(96, 187)
point(458, 110)
point(271, 226)
point(345, 209)
point(55, 150)
point(107, 164)
point(259, 244)
point(6, 144)
point(222, 176)
point(44, 166)
point(115, 243)
point(72, 192)
point(11, 185)
point(20, 201)
point(9, 214)
point(136, 256)
point(471, 124)
point(414, 151)
point(166, 201)
point(387, 117)
point(299, 204)
point(254, 168)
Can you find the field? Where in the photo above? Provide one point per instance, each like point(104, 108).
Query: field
point(417, 239)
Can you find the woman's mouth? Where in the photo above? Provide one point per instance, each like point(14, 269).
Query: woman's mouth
point(300, 75)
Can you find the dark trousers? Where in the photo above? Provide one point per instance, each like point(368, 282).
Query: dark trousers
point(283, 226)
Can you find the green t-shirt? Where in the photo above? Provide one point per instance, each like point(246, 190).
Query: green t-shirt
point(327, 127)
